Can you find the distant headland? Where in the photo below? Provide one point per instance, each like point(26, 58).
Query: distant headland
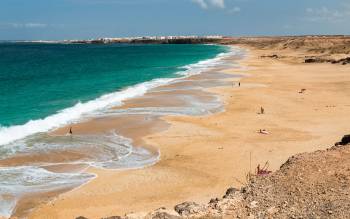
point(142, 40)
point(192, 39)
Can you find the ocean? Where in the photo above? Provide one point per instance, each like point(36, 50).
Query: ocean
point(44, 86)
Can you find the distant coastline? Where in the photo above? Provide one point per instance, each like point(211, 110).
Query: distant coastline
point(213, 39)
point(135, 40)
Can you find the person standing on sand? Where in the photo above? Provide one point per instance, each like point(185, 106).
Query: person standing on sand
point(70, 131)
point(262, 110)
point(239, 84)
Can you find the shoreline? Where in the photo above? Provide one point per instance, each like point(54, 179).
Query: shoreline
point(139, 142)
point(200, 159)
point(81, 112)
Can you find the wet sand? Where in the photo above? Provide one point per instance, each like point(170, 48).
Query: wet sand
point(203, 155)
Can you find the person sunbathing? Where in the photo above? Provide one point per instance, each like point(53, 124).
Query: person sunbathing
point(263, 131)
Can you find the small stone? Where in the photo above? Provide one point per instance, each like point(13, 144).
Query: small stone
point(213, 200)
point(253, 204)
point(272, 210)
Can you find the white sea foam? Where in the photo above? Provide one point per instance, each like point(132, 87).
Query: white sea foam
point(78, 111)
point(109, 151)
point(105, 151)
point(18, 181)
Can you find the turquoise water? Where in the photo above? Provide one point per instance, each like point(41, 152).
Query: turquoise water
point(38, 80)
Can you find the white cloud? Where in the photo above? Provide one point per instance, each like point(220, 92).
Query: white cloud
point(35, 25)
point(234, 10)
point(26, 25)
point(210, 3)
point(218, 3)
point(201, 3)
point(325, 14)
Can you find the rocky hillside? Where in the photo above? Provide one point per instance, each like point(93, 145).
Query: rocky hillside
point(319, 49)
point(309, 185)
point(317, 44)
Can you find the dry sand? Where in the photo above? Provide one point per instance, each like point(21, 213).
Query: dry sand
point(202, 156)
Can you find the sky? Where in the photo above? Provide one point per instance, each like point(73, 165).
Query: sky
point(86, 19)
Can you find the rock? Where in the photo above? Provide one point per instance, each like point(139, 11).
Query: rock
point(112, 217)
point(253, 204)
point(162, 215)
point(251, 216)
point(214, 201)
point(188, 208)
point(272, 210)
point(344, 141)
point(246, 189)
point(344, 61)
point(323, 60)
point(341, 61)
point(310, 60)
point(81, 217)
point(274, 56)
point(230, 192)
point(133, 215)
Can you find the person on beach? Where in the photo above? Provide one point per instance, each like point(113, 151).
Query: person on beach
point(263, 131)
point(70, 131)
point(262, 110)
point(239, 84)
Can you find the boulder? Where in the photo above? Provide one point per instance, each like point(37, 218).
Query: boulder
point(310, 60)
point(163, 215)
point(344, 141)
point(230, 192)
point(188, 208)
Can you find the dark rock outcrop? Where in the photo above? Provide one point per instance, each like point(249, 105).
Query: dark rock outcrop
point(316, 60)
point(344, 141)
point(230, 192)
point(343, 61)
point(112, 217)
point(274, 56)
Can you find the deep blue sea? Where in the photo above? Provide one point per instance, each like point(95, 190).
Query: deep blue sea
point(46, 85)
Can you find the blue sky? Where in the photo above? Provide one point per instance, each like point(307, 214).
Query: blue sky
point(84, 19)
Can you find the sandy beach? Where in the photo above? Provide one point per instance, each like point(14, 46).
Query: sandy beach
point(201, 156)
